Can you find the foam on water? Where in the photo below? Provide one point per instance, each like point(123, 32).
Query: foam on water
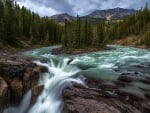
point(62, 74)
point(59, 76)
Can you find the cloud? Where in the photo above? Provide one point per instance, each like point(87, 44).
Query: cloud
point(74, 7)
point(42, 9)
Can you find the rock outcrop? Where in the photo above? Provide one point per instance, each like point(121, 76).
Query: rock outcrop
point(101, 97)
point(17, 76)
point(3, 91)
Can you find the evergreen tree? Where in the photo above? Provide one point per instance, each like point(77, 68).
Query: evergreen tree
point(2, 21)
point(100, 34)
point(10, 23)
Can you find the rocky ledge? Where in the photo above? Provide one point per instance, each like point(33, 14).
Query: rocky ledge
point(17, 76)
point(103, 97)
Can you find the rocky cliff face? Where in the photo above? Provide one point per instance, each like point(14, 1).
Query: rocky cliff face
point(17, 76)
point(104, 97)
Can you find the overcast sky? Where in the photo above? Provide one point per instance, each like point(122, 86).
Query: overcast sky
point(74, 7)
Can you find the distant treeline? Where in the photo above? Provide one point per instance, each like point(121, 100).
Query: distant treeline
point(137, 24)
point(20, 27)
point(81, 35)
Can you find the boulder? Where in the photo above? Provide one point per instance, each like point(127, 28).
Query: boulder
point(15, 91)
point(145, 80)
point(81, 105)
point(19, 75)
point(57, 51)
point(147, 95)
point(125, 78)
point(3, 92)
point(36, 90)
point(146, 107)
point(86, 100)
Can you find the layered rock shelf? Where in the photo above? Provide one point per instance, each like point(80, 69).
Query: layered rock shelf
point(17, 76)
point(99, 97)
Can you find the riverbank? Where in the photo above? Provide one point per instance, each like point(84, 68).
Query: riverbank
point(129, 41)
point(132, 41)
point(71, 51)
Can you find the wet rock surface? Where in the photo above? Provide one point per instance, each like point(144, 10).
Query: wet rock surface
point(3, 91)
point(130, 93)
point(79, 99)
point(36, 90)
point(17, 76)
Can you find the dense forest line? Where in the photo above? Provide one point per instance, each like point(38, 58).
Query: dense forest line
point(136, 27)
point(82, 35)
point(21, 28)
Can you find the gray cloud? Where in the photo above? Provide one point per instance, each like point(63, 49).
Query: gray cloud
point(74, 7)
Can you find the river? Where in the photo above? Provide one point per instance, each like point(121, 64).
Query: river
point(106, 65)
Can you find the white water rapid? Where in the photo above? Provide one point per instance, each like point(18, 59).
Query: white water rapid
point(58, 77)
point(106, 65)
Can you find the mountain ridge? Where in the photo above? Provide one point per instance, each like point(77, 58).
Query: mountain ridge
point(115, 13)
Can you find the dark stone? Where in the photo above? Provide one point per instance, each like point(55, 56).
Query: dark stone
point(146, 107)
point(36, 90)
point(93, 83)
point(120, 83)
point(85, 67)
point(20, 75)
point(3, 92)
point(86, 100)
point(147, 95)
point(70, 61)
point(101, 97)
point(145, 80)
point(125, 78)
point(57, 51)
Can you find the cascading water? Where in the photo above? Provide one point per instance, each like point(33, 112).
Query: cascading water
point(106, 65)
point(58, 77)
point(25, 104)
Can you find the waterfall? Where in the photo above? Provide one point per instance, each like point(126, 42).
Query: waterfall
point(60, 75)
point(25, 104)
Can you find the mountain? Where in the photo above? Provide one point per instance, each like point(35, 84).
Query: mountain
point(116, 13)
point(62, 17)
point(109, 14)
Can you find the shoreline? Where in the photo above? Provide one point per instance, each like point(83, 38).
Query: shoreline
point(69, 51)
point(58, 51)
